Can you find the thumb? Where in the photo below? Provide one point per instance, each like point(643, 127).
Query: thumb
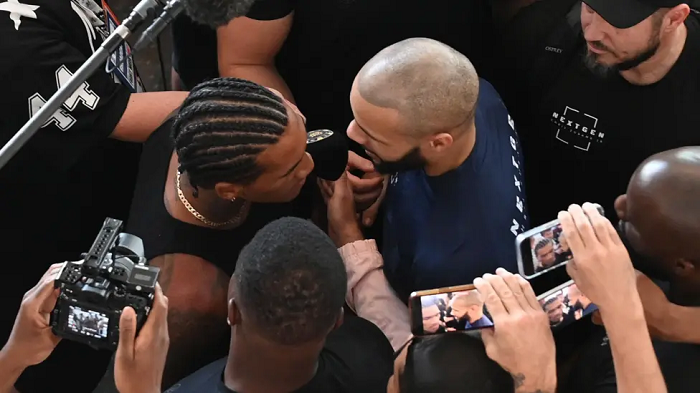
point(487, 336)
point(361, 163)
point(127, 334)
point(370, 214)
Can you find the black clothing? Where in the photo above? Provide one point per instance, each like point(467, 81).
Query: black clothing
point(679, 364)
point(593, 369)
point(330, 41)
point(62, 184)
point(586, 133)
point(162, 234)
point(357, 358)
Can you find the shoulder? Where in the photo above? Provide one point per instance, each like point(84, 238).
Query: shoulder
point(359, 339)
point(488, 96)
point(206, 379)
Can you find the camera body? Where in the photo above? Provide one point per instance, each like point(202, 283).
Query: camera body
point(94, 291)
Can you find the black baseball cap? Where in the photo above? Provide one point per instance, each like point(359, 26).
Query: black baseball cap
point(624, 14)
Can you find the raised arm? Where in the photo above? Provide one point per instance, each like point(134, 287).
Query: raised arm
point(247, 46)
point(369, 293)
point(602, 269)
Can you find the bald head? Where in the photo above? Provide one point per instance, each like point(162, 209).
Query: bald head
point(432, 86)
point(667, 186)
point(471, 298)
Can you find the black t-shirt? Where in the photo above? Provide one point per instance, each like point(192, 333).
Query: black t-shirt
point(583, 135)
point(679, 364)
point(331, 40)
point(60, 186)
point(357, 358)
point(162, 234)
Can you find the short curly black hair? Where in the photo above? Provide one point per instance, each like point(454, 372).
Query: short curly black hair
point(291, 282)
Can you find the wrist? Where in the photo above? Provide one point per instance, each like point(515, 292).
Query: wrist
point(11, 366)
point(349, 234)
point(623, 314)
point(543, 381)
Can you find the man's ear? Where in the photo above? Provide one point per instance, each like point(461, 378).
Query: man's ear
point(228, 191)
point(339, 321)
point(621, 206)
point(441, 142)
point(684, 267)
point(234, 314)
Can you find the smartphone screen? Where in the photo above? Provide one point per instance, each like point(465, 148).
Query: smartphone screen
point(543, 248)
point(565, 304)
point(445, 310)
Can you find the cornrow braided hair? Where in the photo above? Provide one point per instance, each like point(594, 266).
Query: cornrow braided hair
point(222, 127)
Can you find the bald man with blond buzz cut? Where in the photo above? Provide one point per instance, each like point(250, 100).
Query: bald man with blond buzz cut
point(455, 194)
point(468, 310)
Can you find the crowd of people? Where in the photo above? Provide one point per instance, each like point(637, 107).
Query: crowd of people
point(468, 123)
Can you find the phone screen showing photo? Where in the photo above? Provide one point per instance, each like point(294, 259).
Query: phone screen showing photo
point(454, 311)
point(566, 304)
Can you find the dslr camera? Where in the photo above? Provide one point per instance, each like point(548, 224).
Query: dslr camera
point(95, 290)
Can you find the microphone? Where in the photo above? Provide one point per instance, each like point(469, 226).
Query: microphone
point(213, 13)
point(170, 11)
point(216, 13)
point(329, 151)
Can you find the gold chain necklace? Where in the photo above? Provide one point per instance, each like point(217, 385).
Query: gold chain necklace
point(199, 216)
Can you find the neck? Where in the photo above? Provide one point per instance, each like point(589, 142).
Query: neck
point(656, 68)
point(208, 203)
point(256, 366)
point(453, 157)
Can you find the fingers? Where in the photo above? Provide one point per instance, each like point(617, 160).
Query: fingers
point(513, 284)
point(583, 225)
point(365, 185)
point(341, 186)
point(326, 188)
point(44, 293)
point(528, 293)
point(370, 215)
point(158, 318)
point(492, 301)
point(127, 335)
point(357, 162)
point(573, 237)
point(599, 223)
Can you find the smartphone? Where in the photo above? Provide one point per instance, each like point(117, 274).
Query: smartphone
point(565, 304)
point(449, 309)
point(543, 248)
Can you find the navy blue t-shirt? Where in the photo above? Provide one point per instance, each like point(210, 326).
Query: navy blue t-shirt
point(357, 358)
point(449, 229)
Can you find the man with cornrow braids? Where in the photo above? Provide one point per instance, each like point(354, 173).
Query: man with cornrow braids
point(233, 162)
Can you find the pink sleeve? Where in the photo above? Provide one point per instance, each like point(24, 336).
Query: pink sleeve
point(369, 293)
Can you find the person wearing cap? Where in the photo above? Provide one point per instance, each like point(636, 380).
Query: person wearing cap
point(596, 87)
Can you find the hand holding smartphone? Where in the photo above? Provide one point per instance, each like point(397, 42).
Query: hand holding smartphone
point(543, 248)
point(462, 308)
point(449, 309)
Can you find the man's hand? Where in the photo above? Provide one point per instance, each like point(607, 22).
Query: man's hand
point(140, 361)
point(521, 339)
point(368, 190)
point(601, 267)
point(343, 227)
point(32, 340)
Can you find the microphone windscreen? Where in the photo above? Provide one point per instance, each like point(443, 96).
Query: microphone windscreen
point(330, 153)
point(216, 13)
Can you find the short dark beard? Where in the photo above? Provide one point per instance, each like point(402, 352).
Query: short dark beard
point(410, 161)
point(604, 71)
